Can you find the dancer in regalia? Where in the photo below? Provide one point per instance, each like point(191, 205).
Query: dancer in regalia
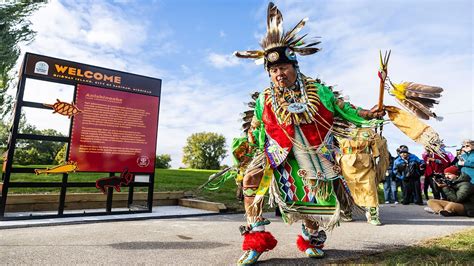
point(288, 150)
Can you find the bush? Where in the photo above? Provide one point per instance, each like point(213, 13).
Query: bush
point(162, 161)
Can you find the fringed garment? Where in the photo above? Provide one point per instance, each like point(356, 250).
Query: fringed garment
point(357, 160)
point(299, 163)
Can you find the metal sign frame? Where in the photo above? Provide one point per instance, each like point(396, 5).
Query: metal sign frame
point(137, 84)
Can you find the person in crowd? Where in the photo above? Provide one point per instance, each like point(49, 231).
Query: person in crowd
point(456, 158)
point(466, 159)
point(450, 156)
point(435, 165)
point(390, 184)
point(459, 191)
point(408, 168)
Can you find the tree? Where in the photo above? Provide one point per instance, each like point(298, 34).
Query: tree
point(36, 151)
point(204, 150)
point(60, 157)
point(163, 161)
point(33, 151)
point(14, 29)
point(4, 133)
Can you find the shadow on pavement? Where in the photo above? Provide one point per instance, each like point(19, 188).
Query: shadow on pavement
point(377, 252)
point(332, 256)
point(145, 245)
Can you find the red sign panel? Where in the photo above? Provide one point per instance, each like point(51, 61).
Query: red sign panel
point(114, 130)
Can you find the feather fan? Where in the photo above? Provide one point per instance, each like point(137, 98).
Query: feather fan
point(417, 98)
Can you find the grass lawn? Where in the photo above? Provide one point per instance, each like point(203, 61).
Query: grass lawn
point(165, 180)
point(455, 249)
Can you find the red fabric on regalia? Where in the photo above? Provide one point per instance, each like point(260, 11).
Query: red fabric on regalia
point(303, 245)
point(259, 241)
point(314, 133)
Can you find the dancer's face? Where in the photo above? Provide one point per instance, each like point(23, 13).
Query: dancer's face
point(283, 75)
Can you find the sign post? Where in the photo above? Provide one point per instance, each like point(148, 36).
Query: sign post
point(113, 129)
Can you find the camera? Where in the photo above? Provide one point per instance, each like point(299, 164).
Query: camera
point(441, 179)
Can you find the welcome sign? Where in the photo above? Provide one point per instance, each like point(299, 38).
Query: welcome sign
point(113, 129)
point(117, 123)
point(75, 73)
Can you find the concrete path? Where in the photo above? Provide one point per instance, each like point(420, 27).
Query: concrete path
point(159, 212)
point(212, 240)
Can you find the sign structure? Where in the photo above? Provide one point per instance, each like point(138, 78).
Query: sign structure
point(114, 124)
point(61, 71)
point(113, 130)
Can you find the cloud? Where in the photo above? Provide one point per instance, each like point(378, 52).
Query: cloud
point(223, 60)
point(426, 50)
point(192, 105)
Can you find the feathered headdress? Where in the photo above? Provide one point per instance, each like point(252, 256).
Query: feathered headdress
point(280, 46)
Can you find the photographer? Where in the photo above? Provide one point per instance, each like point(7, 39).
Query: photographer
point(435, 164)
point(409, 168)
point(459, 191)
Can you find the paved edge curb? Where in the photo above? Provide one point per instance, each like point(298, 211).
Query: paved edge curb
point(202, 204)
point(117, 219)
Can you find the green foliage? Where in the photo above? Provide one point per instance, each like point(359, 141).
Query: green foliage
point(14, 29)
point(162, 161)
point(4, 132)
point(204, 150)
point(60, 157)
point(36, 151)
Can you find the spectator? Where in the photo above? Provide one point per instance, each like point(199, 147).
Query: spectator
point(466, 160)
point(448, 153)
point(460, 193)
point(435, 164)
point(390, 184)
point(408, 168)
point(456, 159)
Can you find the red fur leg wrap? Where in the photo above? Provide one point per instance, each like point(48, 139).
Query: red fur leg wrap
point(259, 241)
point(303, 245)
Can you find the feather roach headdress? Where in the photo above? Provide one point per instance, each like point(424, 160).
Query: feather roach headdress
point(280, 46)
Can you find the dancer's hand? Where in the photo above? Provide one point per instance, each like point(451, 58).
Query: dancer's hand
point(376, 113)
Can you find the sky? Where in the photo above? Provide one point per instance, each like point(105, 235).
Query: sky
point(189, 45)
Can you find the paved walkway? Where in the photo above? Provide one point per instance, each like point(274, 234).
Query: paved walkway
point(212, 239)
point(159, 212)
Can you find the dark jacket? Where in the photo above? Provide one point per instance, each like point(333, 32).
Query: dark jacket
point(409, 168)
point(461, 190)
